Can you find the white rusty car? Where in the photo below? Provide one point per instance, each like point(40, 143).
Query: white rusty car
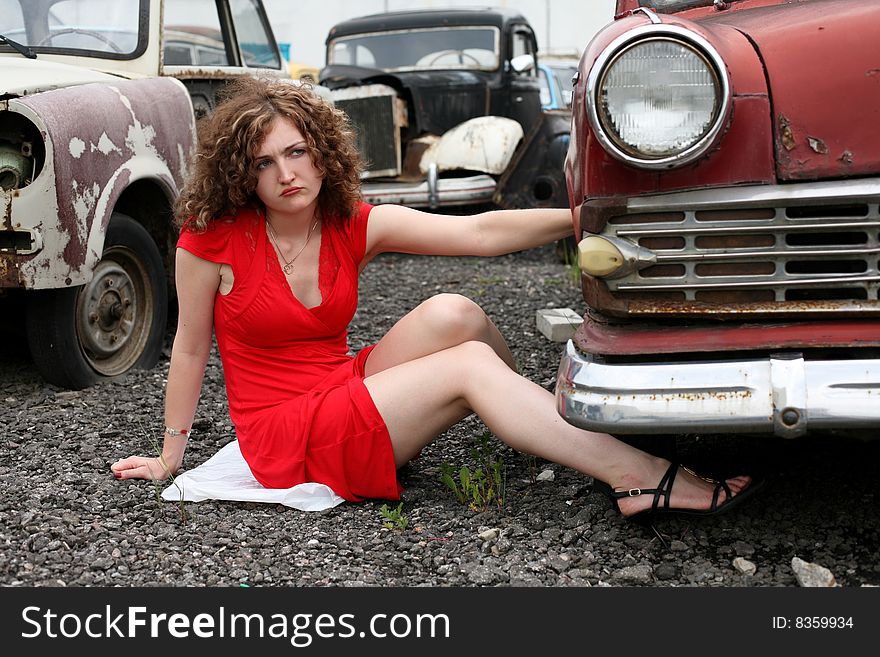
point(98, 100)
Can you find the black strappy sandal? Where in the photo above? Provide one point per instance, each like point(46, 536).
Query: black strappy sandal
point(664, 490)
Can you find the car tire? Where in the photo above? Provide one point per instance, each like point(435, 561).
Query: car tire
point(113, 323)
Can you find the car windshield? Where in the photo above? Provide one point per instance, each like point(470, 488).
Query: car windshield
point(412, 50)
point(671, 6)
point(90, 27)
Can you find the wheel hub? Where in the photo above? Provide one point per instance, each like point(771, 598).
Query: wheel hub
point(106, 310)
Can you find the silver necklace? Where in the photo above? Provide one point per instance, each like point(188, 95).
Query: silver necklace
point(288, 264)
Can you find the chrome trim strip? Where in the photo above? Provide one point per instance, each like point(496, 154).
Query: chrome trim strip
point(752, 254)
point(783, 395)
point(733, 227)
point(432, 182)
point(758, 196)
point(654, 18)
point(746, 282)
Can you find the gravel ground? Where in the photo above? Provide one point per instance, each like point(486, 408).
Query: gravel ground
point(65, 521)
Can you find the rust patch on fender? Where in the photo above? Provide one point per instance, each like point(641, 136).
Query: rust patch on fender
point(786, 136)
point(7, 211)
point(817, 145)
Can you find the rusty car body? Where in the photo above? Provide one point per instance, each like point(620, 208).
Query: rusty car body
point(95, 133)
point(724, 180)
point(447, 109)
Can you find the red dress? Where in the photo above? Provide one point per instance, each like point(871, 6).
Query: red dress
point(296, 397)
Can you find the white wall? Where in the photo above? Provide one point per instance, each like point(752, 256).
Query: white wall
point(562, 26)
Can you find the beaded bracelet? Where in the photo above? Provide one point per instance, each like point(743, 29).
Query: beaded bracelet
point(178, 432)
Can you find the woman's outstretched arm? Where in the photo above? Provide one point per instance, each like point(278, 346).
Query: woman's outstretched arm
point(197, 284)
point(404, 230)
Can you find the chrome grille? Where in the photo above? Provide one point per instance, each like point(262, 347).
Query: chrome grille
point(816, 245)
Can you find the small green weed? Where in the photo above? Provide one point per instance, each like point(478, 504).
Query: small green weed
point(490, 280)
point(483, 283)
point(532, 465)
point(394, 518)
point(572, 268)
point(483, 486)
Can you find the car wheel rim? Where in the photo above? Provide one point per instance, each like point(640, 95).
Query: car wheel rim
point(114, 312)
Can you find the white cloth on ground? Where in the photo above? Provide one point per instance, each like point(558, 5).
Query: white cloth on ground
point(226, 476)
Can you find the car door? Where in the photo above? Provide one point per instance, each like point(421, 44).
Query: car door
point(206, 42)
point(523, 96)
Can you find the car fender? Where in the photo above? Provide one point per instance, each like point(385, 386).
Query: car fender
point(535, 177)
point(99, 138)
point(485, 143)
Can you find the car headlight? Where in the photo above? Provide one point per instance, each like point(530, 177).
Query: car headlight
point(659, 97)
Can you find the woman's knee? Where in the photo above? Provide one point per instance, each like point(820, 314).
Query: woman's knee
point(466, 366)
point(475, 356)
point(455, 316)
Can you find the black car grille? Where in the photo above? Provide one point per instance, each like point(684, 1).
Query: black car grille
point(377, 134)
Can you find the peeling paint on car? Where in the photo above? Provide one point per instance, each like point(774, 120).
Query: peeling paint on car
point(121, 144)
point(105, 145)
point(817, 145)
point(182, 157)
point(6, 209)
point(786, 136)
point(485, 144)
point(83, 202)
point(76, 147)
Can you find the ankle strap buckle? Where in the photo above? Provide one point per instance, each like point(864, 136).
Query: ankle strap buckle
point(634, 492)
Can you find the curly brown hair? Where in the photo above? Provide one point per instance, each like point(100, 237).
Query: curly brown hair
point(222, 178)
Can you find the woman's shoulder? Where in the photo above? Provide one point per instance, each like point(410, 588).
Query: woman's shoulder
point(354, 230)
point(357, 221)
point(348, 224)
point(222, 227)
point(221, 233)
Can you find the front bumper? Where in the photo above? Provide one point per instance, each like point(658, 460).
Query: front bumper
point(431, 193)
point(783, 394)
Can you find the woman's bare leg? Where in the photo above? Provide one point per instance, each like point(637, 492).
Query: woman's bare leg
point(421, 398)
point(443, 321)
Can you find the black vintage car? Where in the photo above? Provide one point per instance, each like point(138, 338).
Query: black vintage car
point(447, 108)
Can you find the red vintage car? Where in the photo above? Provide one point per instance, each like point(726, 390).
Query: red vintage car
point(724, 180)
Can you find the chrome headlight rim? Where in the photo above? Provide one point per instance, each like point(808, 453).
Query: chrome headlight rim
point(687, 38)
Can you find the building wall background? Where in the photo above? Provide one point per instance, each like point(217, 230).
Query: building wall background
point(562, 26)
